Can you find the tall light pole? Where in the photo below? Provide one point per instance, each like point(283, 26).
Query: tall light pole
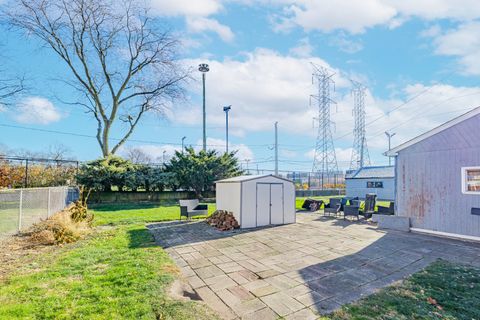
point(203, 68)
point(163, 158)
point(183, 143)
point(226, 109)
point(276, 148)
point(389, 136)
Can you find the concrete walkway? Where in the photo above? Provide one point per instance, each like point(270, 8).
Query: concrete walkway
point(301, 270)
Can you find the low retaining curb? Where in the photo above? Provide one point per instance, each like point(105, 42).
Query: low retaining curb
point(392, 222)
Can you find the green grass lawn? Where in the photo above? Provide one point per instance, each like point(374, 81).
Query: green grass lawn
point(441, 291)
point(118, 272)
point(115, 273)
point(138, 213)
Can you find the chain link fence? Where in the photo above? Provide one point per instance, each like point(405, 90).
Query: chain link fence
point(20, 208)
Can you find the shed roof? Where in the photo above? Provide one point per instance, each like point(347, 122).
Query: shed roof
point(373, 172)
point(434, 131)
point(241, 179)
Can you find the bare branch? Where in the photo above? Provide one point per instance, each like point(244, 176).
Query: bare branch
point(120, 63)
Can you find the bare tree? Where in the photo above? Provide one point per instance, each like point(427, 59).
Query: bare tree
point(9, 88)
point(137, 155)
point(59, 151)
point(121, 65)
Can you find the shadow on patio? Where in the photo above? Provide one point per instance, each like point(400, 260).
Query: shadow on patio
point(179, 233)
point(359, 271)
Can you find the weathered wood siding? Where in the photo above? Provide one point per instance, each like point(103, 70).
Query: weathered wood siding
point(429, 180)
point(358, 188)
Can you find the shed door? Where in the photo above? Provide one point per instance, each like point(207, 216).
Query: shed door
point(276, 201)
point(263, 204)
point(269, 204)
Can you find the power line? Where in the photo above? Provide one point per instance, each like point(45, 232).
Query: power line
point(115, 139)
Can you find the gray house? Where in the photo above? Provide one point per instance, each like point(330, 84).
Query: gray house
point(438, 179)
point(379, 180)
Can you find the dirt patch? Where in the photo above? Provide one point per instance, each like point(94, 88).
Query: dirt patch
point(181, 290)
point(17, 252)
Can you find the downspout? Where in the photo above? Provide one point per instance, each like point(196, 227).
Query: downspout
point(395, 196)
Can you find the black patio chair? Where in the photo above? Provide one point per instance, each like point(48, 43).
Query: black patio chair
point(370, 202)
point(352, 210)
point(390, 210)
point(333, 207)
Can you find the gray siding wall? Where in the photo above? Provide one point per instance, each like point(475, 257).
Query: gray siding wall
point(358, 188)
point(429, 180)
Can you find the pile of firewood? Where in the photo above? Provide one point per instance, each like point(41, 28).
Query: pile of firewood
point(223, 220)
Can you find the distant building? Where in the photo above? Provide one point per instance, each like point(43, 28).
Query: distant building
point(379, 180)
point(438, 179)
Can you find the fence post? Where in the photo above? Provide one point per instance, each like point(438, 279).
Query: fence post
point(26, 174)
point(48, 204)
point(20, 211)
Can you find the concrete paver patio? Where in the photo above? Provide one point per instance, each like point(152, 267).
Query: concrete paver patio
point(301, 270)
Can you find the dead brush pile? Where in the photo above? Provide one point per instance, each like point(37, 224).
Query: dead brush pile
point(66, 226)
point(223, 220)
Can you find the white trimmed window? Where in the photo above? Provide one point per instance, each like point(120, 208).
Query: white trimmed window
point(471, 180)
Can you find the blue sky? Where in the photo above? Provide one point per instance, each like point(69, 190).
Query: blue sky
point(419, 60)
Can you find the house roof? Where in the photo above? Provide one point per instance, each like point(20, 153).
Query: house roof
point(373, 172)
point(434, 131)
point(250, 177)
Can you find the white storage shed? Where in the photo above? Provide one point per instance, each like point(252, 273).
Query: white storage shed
point(257, 200)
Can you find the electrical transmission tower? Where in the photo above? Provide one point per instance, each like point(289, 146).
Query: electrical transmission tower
point(360, 157)
point(325, 160)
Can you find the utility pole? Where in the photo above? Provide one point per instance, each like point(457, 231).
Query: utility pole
point(247, 161)
point(389, 136)
point(203, 68)
point(276, 148)
point(226, 109)
point(183, 143)
point(163, 158)
point(325, 161)
point(360, 156)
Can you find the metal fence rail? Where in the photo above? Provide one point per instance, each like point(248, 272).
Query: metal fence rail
point(20, 208)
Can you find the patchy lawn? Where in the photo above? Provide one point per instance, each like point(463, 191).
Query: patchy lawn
point(441, 291)
point(116, 273)
point(138, 213)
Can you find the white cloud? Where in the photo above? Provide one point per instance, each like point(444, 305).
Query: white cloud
point(36, 110)
point(345, 44)
point(263, 87)
point(201, 24)
point(357, 16)
point(303, 49)
point(156, 152)
point(243, 151)
point(430, 106)
point(327, 16)
point(437, 9)
point(462, 42)
point(185, 7)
